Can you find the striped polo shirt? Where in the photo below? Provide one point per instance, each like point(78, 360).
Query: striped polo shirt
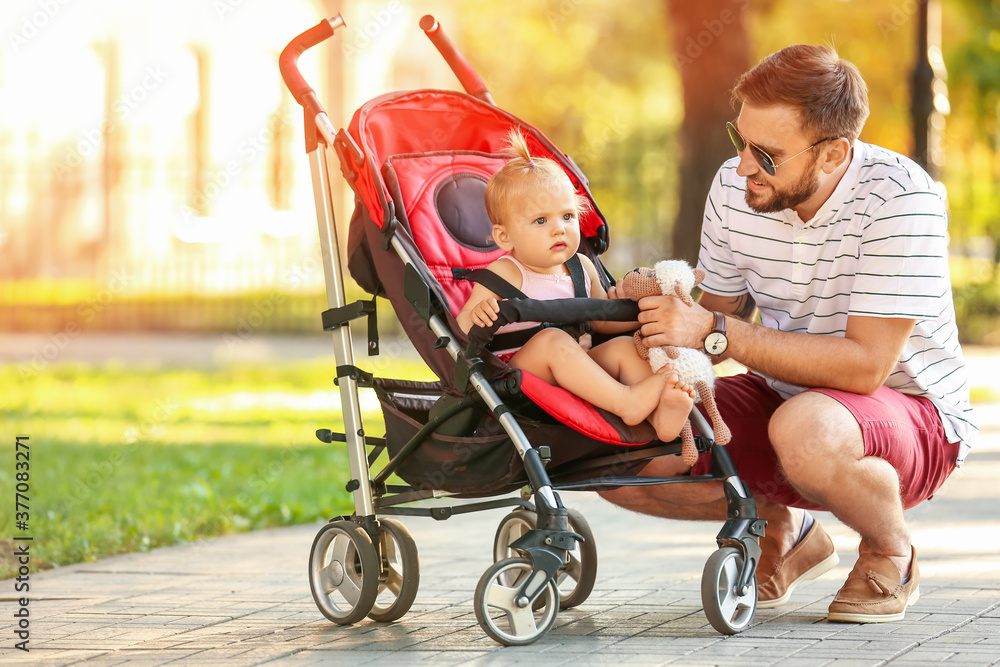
point(878, 247)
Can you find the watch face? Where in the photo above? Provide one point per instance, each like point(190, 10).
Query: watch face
point(716, 343)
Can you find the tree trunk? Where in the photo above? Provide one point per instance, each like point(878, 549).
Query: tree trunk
point(711, 49)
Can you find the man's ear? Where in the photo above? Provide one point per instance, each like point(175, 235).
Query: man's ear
point(839, 151)
point(501, 238)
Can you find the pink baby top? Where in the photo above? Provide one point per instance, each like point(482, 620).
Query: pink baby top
point(541, 286)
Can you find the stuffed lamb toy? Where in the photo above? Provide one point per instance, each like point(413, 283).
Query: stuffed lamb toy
point(677, 278)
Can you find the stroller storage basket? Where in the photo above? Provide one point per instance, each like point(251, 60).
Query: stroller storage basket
point(483, 463)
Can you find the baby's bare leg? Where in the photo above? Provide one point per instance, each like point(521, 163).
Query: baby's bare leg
point(555, 357)
point(673, 408)
point(620, 359)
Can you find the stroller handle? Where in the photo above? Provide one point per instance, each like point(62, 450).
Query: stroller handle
point(561, 311)
point(288, 62)
point(467, 75)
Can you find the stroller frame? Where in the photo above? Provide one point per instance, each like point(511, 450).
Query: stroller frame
point(363, 565)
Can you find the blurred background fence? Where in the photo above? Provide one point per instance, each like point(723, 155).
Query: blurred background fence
point(152, 176)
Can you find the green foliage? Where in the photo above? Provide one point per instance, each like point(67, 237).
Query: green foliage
point(977, 307)
point(974, 62)
point(131, 459)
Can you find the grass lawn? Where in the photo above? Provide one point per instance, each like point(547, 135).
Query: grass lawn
point(130, 459)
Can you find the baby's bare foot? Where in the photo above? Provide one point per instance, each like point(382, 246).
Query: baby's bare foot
point(640, 399)
point(673, 408)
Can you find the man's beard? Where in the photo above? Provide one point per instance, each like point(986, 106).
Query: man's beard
point(778, 200)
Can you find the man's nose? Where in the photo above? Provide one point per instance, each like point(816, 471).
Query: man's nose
point(747, 166)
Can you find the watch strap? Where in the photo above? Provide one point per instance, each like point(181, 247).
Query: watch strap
point(720, 322)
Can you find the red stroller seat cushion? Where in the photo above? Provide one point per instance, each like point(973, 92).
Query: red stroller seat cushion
point(583, 417)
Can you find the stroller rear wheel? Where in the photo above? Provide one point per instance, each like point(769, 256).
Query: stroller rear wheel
point(343, 572)
point(400, 572)
point(577, 576)
point(499, 614)
point(728, 610)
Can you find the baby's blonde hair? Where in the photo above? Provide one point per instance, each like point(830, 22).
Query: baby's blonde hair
point(521, 173)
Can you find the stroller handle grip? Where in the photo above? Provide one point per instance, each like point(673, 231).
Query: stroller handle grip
point(288, 62)
point(561, 311)
point(467, 75)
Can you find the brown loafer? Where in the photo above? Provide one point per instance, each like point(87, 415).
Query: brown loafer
point(777, 575)
point(873, 593)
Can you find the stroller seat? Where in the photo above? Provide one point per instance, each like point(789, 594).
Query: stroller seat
point(418, 163)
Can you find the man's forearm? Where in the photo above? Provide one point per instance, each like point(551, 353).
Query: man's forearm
point(808, 360)
point(859, 362)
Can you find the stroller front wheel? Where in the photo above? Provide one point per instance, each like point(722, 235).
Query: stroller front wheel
point(343, 572)
point(400, 572)
point(727, 610)
point(577, 576)
point(499, 614)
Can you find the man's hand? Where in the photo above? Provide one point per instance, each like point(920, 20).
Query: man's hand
point(667, 321)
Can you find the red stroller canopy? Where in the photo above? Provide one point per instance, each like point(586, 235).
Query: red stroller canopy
point(426, 121)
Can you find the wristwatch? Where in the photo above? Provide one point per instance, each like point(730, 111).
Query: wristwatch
point(716, 341)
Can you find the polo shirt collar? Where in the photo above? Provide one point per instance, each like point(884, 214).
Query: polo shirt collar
point(840, 195)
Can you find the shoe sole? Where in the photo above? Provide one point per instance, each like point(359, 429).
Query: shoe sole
point(814, 572)
point(845, 617)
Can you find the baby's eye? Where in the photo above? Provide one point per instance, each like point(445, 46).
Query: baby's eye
point(569, 216)
point(539, 221)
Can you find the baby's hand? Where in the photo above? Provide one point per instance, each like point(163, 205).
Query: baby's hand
point(613, 292)
point(485, 312)
point(586, 341)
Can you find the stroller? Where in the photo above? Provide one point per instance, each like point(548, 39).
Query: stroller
point(418, 162)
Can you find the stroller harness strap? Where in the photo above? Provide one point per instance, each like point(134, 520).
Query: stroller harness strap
point(502, 288)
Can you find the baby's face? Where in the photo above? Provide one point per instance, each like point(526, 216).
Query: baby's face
point(542, 228)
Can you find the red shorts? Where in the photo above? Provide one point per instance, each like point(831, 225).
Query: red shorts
point(904, 430)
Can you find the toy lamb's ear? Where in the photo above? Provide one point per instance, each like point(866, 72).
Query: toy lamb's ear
point(699, 275)
point(682, 294)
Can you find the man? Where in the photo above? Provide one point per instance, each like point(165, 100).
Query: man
point(841, 247)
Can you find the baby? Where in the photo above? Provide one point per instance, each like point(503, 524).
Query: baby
point(535, 214)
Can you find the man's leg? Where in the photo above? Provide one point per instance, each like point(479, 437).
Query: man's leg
point(699, 502)
point(866, 458)
point(692, 502)
point(822, 453)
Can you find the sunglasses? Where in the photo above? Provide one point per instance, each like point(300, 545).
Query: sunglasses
point(759, 156)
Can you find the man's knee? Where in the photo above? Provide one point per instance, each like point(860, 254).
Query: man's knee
point(810, 428)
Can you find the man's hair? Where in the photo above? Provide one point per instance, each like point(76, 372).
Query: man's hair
point(520, 174)
point(828, 90)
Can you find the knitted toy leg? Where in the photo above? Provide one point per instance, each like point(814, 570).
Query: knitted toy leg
point(689, 453)
point(722, 433)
